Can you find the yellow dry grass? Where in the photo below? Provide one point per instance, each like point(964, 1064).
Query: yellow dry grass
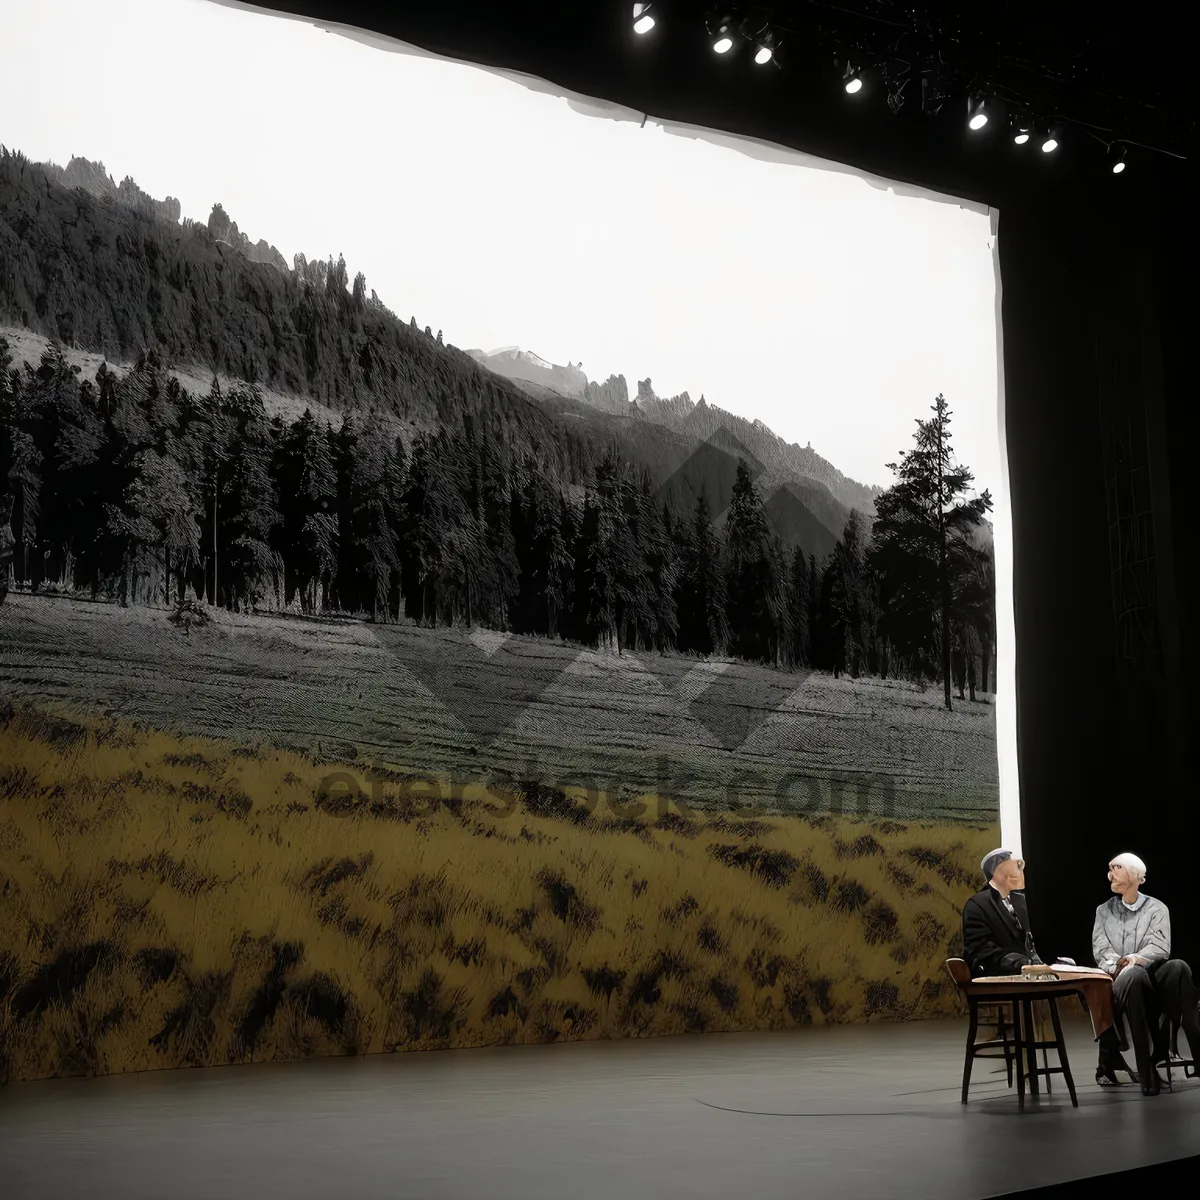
point(167, 901)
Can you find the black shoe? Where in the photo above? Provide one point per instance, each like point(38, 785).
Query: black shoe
point(1154, 1087)
point(1106, 1072)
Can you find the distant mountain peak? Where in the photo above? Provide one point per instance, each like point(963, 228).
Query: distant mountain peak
point(682, 414)
point(658, 409)
point(515, 363)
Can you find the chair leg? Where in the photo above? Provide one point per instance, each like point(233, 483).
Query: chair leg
point(972, 1028)
point(1002, 1029)
point(1061, 1047)
point(1019, 1048)
point(1008, 1049)
point(1030, 1047)
point(1171, 1050)
point(1045, 1051)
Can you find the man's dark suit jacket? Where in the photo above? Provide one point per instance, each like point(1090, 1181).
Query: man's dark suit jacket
point(993, 943)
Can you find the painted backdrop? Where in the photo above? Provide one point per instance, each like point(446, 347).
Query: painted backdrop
point(362, 692)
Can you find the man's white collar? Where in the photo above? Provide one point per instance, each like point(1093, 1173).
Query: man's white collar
point(1136, 904)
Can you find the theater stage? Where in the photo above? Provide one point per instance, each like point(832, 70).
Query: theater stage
point(857, 1112)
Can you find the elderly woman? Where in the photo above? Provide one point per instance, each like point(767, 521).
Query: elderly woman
point(1131, 940)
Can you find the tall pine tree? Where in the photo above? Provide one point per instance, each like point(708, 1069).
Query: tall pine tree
point(919, 521)
point(753, 600)
point(703, 624)
point(309, 496)
point(799, 653)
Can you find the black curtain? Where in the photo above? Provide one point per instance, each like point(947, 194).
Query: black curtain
point(1093, 356)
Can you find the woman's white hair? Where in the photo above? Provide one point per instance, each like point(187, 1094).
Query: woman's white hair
point(1133, 865)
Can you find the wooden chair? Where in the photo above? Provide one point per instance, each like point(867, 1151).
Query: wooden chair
point(995, 1016)
point(1026, 1042)
point(981, 1012)
point(1173, 1059)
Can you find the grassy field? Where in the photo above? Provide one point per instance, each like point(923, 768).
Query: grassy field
point(474, 704)
point(169, 900)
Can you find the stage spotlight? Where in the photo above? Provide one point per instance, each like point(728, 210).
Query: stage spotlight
point(1050, 142)
point(852, 79)
point(977, 116)
point(722, 31)
point(756, 31)
point(1022, 130)
point(1116, 158)
point(643, 18)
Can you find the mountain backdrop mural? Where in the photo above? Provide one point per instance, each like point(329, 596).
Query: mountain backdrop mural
point(545, 706)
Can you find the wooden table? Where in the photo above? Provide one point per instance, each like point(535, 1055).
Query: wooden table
point(1023, 991)
point(1094, 990)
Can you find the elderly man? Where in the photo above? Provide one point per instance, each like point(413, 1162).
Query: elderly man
point(1131, 940)
point(997, 939)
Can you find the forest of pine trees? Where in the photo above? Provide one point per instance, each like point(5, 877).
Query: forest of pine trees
point(132, 489)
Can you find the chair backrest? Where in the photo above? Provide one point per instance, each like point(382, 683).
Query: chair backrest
point(959, 971)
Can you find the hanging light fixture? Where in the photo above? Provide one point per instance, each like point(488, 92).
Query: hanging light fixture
point(643, 18)
point(1051, 140)
point(977, 116)
point(1116, 158)
point(852, 79)
point(757, 31)
point(722, 31)
point(1022, 129)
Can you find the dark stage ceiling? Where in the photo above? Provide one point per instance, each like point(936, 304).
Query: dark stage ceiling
point(1105, 75)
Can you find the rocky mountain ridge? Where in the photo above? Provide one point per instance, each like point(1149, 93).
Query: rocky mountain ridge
point(96, 181)
point(683, 415)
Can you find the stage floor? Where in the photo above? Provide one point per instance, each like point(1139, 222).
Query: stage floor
point(857, 1112)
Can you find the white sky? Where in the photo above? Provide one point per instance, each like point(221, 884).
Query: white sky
point(831, 310)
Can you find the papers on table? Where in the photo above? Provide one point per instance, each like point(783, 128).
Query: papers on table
point(1063, 970)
